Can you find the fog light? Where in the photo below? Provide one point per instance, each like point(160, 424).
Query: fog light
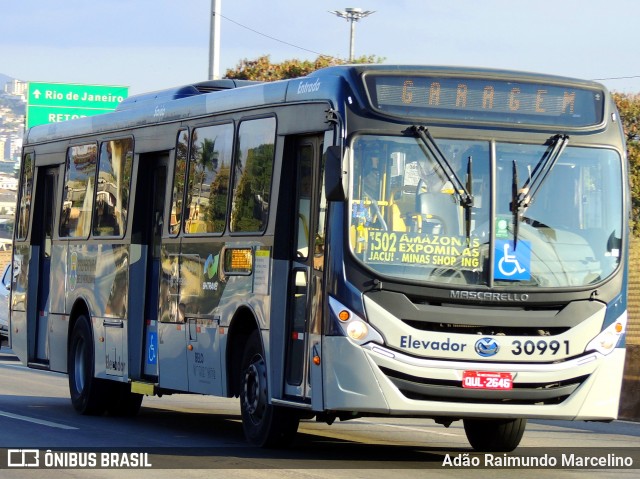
point(357, 330)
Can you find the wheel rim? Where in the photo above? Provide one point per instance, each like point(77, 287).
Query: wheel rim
point(79, 366)
point(255, 389)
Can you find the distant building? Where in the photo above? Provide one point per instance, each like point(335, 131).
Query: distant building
point(7, 203)
point(8, 183)
point(15, 148)
point(17, 88)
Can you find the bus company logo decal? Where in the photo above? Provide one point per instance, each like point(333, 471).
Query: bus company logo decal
point(488, 296)
point(487, 347)
point(308, 87)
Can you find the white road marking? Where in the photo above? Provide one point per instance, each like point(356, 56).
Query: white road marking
point(36, 421)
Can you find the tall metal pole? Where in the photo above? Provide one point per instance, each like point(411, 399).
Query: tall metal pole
point(352, 15)
point(214, 41)
point(352, 41)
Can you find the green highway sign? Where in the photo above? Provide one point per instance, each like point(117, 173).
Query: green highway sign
point(55, 102)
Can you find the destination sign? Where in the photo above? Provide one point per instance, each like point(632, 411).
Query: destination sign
point(485, 100)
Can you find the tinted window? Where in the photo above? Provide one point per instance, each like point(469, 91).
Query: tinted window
point(209, 172)
point(75, 219)
point(182, 149)
point(112, 195)
point(26, 185)
point(252, 175)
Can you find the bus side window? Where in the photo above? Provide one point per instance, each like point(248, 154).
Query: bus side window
point(253, 168)
point(112, 195)
point(182, 148)
point(78, 191)
point(209, 175)
point(25, 197)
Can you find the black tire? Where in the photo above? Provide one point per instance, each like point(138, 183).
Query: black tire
point(87, 392)
point(264, 425)
point(122, 402)
point(494, 435)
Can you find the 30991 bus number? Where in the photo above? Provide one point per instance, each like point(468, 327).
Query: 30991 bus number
point(540, 347)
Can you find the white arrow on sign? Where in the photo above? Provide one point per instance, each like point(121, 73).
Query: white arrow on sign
point(37, 94)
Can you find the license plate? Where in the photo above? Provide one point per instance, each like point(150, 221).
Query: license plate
point(487, 380)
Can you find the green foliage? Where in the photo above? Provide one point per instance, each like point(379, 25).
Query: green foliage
point(629, 108)
point(262, 69)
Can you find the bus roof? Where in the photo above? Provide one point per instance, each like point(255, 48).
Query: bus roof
point(205, 98)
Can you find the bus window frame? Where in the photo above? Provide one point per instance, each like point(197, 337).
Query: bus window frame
point(95, 195)
point(232, 188)
point(27, 231)
point(64, 185)
point(182, 230)
point(171, 200)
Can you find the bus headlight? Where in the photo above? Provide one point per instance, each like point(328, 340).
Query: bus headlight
point(357, 330)
point(352, 325)
point(608, 339)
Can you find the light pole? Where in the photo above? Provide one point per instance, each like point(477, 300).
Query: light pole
point(352, 15)
point(214, 41)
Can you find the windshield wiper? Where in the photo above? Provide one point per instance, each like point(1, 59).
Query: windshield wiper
point(540, 173)
point(522, 199)
point(462, 193)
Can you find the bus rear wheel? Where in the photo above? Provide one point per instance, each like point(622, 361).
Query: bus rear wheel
point(264, 425)
point(87, 392)
point(494, 435)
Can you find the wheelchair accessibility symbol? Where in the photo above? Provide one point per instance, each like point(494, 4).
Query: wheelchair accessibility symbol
point(152, 348)
point(512, 264)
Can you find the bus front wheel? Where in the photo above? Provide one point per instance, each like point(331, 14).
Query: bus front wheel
point(87, 392)
point(264, 425)
point(494, 435)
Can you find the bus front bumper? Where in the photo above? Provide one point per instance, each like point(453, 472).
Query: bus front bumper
point(372, 379)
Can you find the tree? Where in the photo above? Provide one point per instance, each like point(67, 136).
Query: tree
point(629, 108)
point(263, 70)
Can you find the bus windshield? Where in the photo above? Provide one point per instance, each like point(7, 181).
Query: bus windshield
point(407, 220)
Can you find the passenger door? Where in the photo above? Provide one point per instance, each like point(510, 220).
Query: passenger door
point(155, 222)
point(304, 311)
point(42, 237)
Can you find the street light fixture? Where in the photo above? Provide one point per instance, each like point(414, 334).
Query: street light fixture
point(352, 15)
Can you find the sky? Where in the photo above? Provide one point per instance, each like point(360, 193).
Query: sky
point(150, 45)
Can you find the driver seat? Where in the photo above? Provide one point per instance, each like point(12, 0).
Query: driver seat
point(440, 213)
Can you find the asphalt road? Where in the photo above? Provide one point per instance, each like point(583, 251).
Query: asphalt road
point(197, 436)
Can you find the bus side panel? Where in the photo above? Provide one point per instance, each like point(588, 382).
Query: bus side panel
point(200, 293)
point(172, 346)
point(97, 276)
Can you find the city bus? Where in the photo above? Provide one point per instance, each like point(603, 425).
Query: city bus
point(368, 241)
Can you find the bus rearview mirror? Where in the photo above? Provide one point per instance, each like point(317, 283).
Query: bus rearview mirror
point(333, 174)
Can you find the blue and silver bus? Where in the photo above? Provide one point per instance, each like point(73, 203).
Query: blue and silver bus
point(369, 240)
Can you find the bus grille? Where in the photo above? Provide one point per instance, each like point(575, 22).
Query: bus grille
point(422, 389)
